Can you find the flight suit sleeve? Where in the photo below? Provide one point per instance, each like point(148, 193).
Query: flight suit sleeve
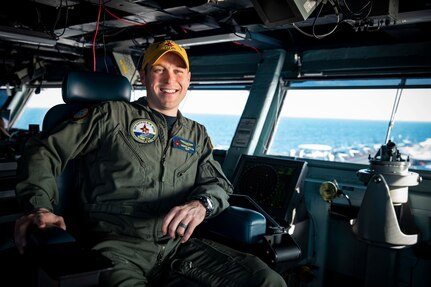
point(211, 181)
point(45, 157)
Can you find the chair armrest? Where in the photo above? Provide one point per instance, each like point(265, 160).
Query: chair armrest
point(239, 224)
point(63, 260)
point(43, 237)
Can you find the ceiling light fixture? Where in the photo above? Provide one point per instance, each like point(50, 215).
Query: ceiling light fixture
point(214, 39)
point(26, 36)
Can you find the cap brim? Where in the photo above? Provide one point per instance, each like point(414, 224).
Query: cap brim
point(155, 59)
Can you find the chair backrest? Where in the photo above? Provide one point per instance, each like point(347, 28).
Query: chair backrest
point(79, 90)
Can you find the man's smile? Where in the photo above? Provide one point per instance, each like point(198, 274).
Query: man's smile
point(169, 91)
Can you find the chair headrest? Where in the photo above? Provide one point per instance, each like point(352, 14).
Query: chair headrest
point(92, 87)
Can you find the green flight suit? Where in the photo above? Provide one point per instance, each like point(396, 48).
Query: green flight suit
point(131, 173)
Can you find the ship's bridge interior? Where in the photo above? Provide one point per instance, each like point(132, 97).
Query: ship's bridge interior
point(351, 212)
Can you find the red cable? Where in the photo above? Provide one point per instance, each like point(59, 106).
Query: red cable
point(95, 35)
point(97, 28)
point(250, 47)
point(122, 20)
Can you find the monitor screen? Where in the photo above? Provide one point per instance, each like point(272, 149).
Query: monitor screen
point(275, 184)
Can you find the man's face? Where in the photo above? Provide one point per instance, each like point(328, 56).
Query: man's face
point(167, 81)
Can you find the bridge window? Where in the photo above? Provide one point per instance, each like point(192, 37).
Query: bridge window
point(219, 110)
point(36, 107)
point(336, 123)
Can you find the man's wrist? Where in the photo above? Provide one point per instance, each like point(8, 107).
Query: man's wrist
point(206, 202)
point(39, 210)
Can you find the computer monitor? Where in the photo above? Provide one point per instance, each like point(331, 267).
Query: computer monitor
point(275, 184)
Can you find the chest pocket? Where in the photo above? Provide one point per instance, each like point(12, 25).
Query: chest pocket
point(130, 148)
point(185, 175)
point(142, 159)
point(118, 166)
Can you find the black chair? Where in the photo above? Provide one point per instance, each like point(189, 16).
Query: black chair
point(81, 89)
point(61, 259)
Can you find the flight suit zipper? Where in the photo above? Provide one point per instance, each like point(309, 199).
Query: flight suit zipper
point(169, 138)
point(163, 163)
point(160, 255)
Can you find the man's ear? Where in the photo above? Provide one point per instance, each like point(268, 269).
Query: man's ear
point(142, 75)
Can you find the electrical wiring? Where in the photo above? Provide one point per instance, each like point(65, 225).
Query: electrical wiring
point(58, 18)
point(102, 6)
point(123, 20)
point(104, 43)
point(355, 15)
point(349, 16)
point(250, 47)
point(359, 19)
point(95, 35)
point(314, 35)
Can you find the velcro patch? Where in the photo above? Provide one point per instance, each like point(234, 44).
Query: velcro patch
point(144, 131)
point(183, 144)
point(80, 115)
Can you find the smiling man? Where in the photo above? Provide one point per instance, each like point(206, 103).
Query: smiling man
point(152, 181)
point(167, 80)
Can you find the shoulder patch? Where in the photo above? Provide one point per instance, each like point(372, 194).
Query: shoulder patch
point(144, 131)
point(80, 115)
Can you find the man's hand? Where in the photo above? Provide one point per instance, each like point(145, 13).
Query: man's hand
point(182, 220)
point(42, 218)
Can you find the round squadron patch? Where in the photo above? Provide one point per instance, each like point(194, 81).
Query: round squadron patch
point(144, 131)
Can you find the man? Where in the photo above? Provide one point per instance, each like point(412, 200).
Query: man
point(149, 181)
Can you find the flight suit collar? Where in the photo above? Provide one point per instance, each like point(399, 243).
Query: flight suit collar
point(181, 120)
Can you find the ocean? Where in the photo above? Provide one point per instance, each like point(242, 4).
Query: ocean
point(293, 132)
point(340, 135)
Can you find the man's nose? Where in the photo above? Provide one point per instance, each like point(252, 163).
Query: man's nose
point(169, 76)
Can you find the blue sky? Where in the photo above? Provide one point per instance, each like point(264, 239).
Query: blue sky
point(371, 104)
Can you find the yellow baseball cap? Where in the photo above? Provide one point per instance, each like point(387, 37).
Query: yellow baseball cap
point(157, 50)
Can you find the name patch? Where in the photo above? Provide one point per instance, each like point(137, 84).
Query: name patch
point(183, 144)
